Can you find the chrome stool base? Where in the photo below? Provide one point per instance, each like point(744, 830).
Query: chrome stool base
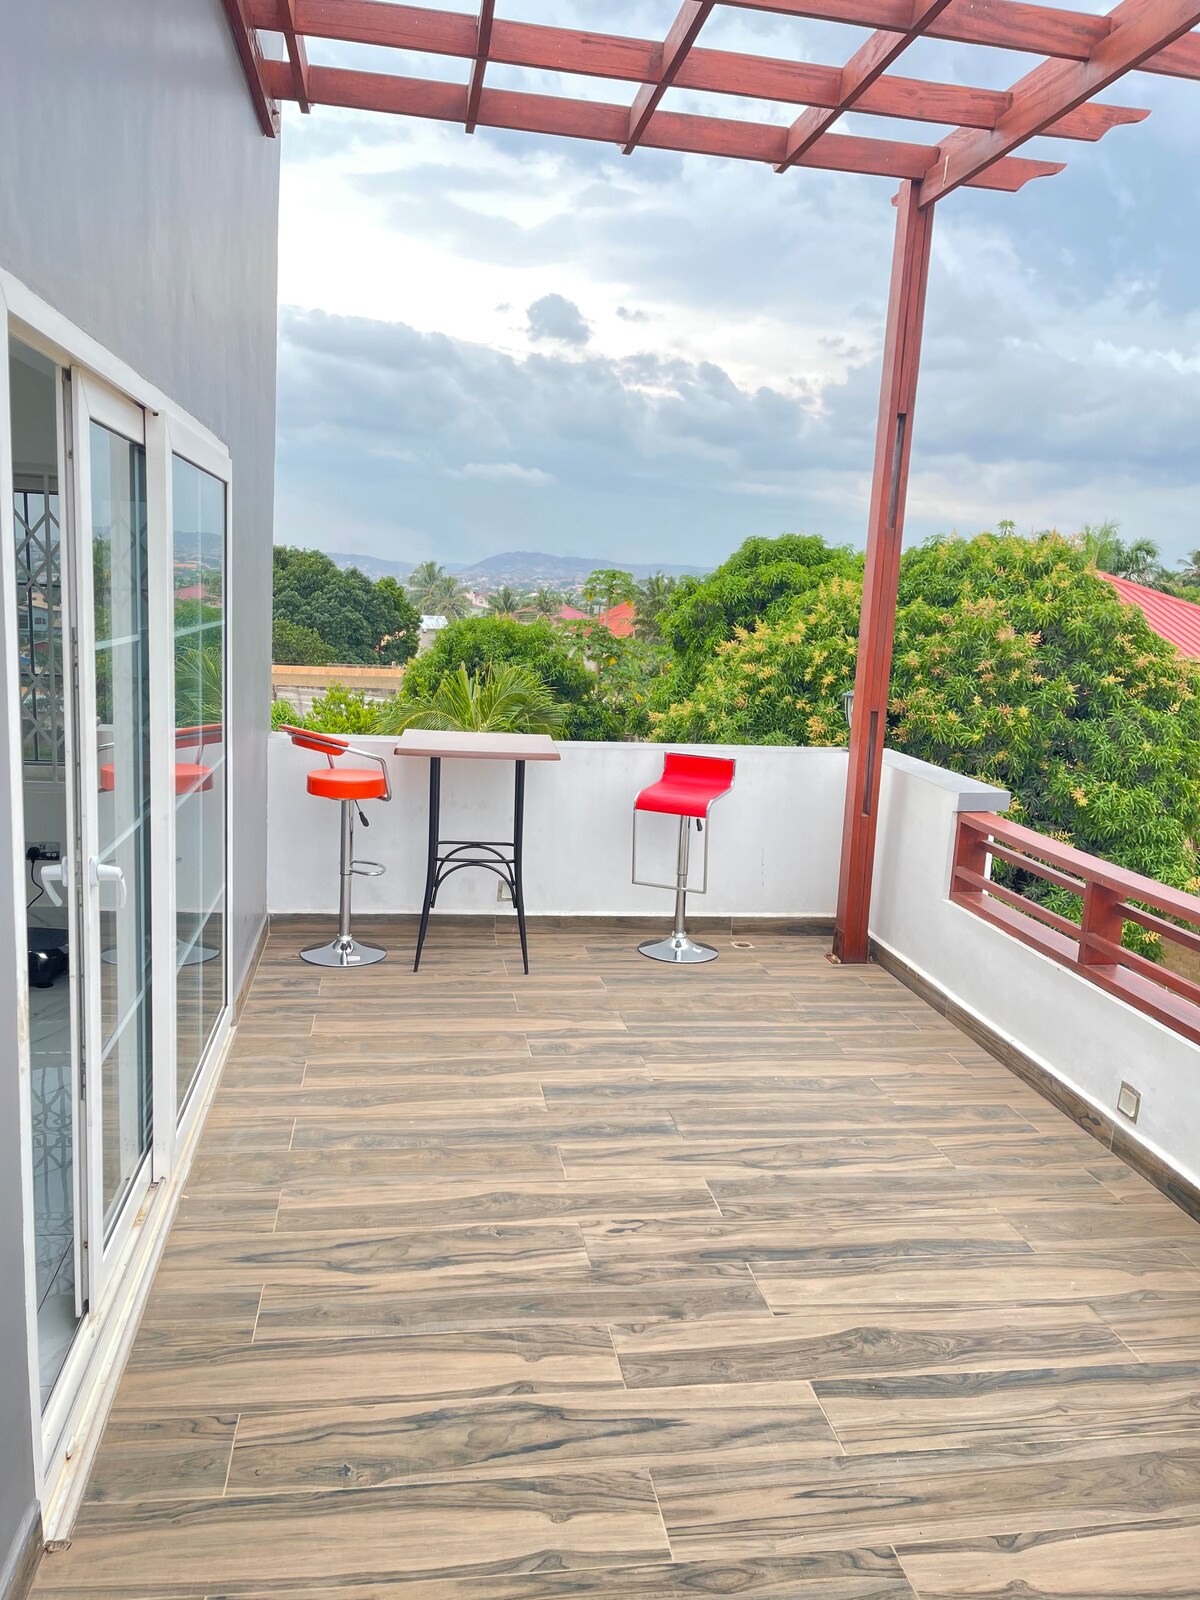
point(677, 948)
point(343, 953)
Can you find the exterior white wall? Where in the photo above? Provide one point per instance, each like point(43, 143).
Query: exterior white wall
point(774, 838)
point(1086, 1038)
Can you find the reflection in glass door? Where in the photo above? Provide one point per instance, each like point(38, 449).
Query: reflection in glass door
point(119, 851)
point(47, 745)
point(198, 518)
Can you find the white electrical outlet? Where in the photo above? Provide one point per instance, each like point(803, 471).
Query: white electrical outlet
point(1129, 1101)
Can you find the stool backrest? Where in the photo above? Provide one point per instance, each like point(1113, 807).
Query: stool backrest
point(716, 771)
point(325, 744)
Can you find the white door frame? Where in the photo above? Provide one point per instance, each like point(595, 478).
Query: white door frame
point(65, 1434)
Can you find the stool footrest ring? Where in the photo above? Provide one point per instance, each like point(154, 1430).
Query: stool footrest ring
point(368, 869)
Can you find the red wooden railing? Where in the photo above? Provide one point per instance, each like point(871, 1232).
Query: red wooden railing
point(1111, 897)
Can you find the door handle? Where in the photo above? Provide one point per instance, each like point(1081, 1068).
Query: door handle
point(105, 872)
point(54, 872)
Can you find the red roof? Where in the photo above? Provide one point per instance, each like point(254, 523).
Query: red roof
point(569, 614)
point(619, 620)
point(1171, 618)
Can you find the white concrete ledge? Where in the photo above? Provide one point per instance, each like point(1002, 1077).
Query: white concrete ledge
point(968, 794)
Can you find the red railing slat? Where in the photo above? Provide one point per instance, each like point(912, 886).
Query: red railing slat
point(1092, 948)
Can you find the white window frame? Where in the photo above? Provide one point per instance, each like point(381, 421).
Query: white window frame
point(65, 1435)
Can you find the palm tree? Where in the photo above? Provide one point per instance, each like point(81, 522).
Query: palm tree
point(501, 699)
point(1138, 559)
point(650, 599)
point(448, 599)
point(1190, 576)
point(608, 587)
point(424, 581)
point(506, 602)
point(546, 602)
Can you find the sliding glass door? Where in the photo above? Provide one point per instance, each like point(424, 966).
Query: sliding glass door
point(115, 771)
point(198, 514)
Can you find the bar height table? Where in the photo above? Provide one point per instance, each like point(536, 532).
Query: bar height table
point(501, 856)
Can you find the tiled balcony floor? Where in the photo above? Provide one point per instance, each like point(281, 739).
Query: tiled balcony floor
point(756, 1279)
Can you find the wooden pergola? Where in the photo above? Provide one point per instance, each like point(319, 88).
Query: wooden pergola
point(1083, 55)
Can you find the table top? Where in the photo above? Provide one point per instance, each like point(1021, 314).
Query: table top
point(478, 746)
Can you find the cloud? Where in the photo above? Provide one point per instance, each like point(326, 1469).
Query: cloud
point(559, 320)
point(507, 472)
point(629, 314)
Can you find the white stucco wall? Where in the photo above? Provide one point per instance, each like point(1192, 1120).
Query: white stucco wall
point(773, 851)
point(1086, 1038)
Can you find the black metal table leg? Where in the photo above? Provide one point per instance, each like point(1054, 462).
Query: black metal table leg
point(431, 869)
point(518, 841)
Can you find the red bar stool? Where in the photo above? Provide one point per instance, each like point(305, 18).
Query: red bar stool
point(350, 786)
point(687, 789)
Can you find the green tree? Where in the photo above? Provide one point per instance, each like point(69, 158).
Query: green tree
point(1138, 559)
point(296, 646)
point(479, 642)
point(1013, 663)
point(500, 699)
point(1189, 577)
point(436, 592)
point(760, 581)
point(607, 587)
point(401, 620)
point(650, 599)
point(351, 614)
point(342, 710)
point(506, 602)
point(546, 602)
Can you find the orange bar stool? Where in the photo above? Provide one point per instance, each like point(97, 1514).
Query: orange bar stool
point(349, 786)
point(688, 789)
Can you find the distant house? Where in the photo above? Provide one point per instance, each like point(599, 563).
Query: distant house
point(619, 620)
point(570, 614)
point(197, 591)
point(1170, 617)
point(434, 624)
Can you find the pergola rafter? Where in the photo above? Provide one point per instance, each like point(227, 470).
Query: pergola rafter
point(1083, 55)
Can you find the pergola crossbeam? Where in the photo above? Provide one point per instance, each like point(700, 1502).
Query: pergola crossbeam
point(684, 30)
point(245, 39)
point(1138, 29)
point(597, 120)
point(483, 40)
point(297, 53)
point(567, 50)
point(1002, 24)
point(865, 67)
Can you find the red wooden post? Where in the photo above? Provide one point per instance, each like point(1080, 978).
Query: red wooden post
point(885, 530)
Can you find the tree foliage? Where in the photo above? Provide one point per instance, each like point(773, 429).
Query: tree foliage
point(499, 699)
point(761, 579)
point(1014, 663)
point(359, 621)
point(295, 646)
point(477, 643)
point(608, 587)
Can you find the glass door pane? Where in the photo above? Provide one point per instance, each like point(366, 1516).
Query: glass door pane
point(120, 867)
point(48, 847)
point(198, 516)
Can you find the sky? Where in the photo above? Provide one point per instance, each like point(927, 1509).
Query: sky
point(511, 342)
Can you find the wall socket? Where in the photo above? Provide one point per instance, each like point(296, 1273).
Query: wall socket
point(48, 850)
point(1129, 1101)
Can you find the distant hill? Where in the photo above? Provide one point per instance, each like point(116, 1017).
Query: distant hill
point(375, 567)
point(530, 569)
point(523, 569)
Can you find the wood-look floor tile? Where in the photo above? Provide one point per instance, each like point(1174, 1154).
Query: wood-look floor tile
point(714, 1513)
point(929, 1411)
point(341, 1169)
point(1130, 1561)
point(1042, 1277)
point(444, 1203)
point(500, 1526)
point(879, 1154)
point(170, 1457)
point(817, 1242)
point(370, 1446)
point(938, 1188)
point(1098, 1220)
point(516, 1127)
point(325, 1260)
point(204, 1374)
point(656, 1292)
point(829, 1341)
point(1158, 1325)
